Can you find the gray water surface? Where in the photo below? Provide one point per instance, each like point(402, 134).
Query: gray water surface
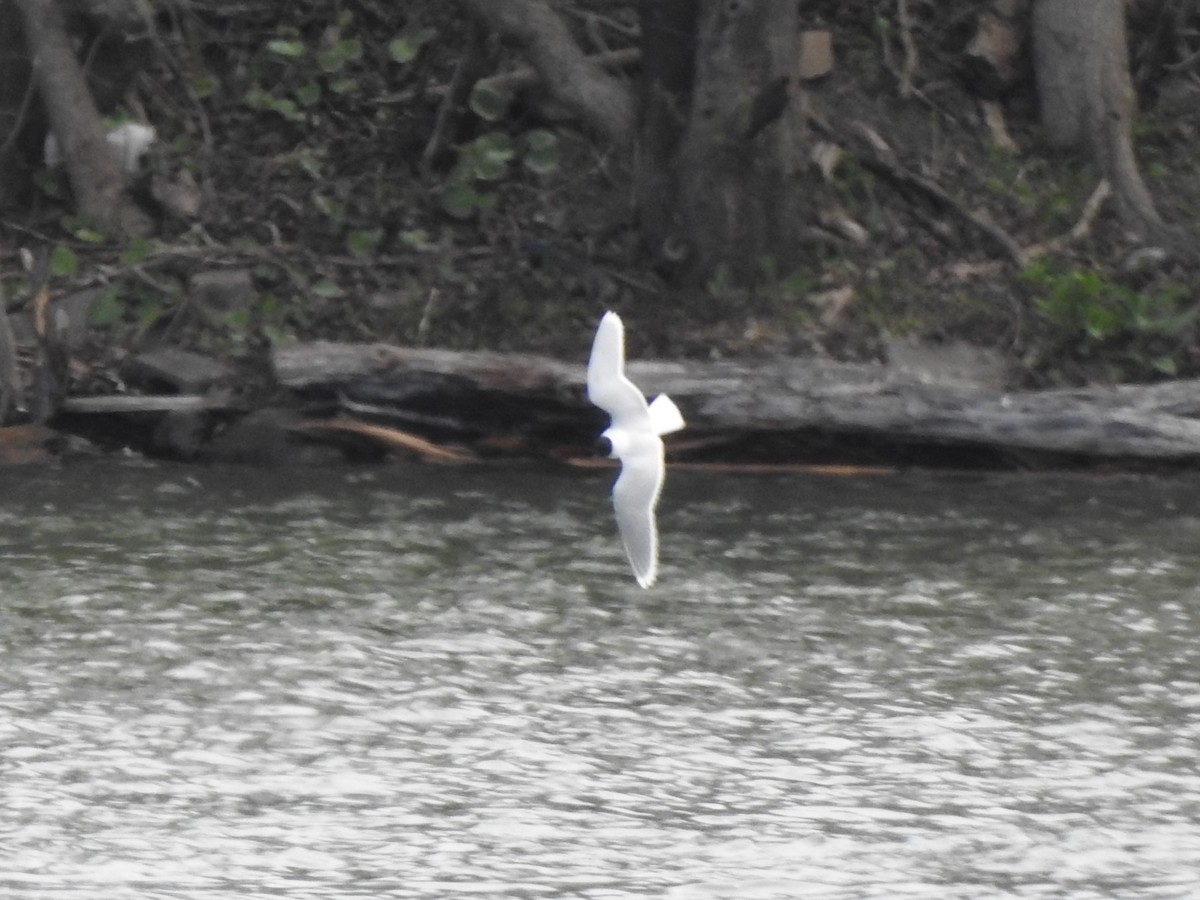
point(425, 682)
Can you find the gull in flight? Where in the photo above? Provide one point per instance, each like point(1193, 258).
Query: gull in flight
point(635, 437)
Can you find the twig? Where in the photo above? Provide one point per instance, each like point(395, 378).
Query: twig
point(426, 318)
point(882, 160)
point(993, 117)
point(466, 73)
point(1081, 229)
point(909, 67)
point(592, 19)
point(391, 438)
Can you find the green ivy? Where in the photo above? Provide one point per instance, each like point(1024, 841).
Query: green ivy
point(1144, 332)
point(488, 160)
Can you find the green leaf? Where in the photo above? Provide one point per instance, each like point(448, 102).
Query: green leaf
point(404, 49)
point(490, 156)
point(137, 251)
point(277, 335)
point(204, 86)
point(81, 228)
point(344, 86)
point(329, 206)
point(1165, 365)
point(328, 289)
point(330, 61)
point(63, 262)
point(541, 156)
point(286, 108)
point(460, 200)
point(333, 59)
point(308, 161)
point(541, 139)
point(255, 98)
point(107, 312)
point(415, 239)
point(489, 103)
point(308, 94)
point(290, 49)
point(363, 243)
point(485, 203)
point(91, 235)
point(489, 168)
point(1100, 322)
point(150, 313)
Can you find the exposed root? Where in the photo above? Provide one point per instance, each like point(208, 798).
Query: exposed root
point(603, 103)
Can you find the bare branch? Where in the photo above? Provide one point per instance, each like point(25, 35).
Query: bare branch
point(465, 75)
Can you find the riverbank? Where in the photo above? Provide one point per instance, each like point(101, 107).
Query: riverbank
point(945, 274)
point(330, 403)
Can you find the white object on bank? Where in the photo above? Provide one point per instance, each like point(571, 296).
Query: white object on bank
point(129, 141)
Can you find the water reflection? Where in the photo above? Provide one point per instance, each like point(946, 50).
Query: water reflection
point(430, 683)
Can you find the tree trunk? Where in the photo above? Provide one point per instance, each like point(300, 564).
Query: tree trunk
point(668, 61)
point(716, 187)
point(16, 106)
point(96, 179)
point(11, 395)
point(1082, 67)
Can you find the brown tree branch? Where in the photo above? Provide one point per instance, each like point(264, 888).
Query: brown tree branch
point(883, 160)
point(603, 102)
point(466, 73)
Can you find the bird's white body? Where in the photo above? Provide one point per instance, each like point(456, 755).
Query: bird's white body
point(634, 437)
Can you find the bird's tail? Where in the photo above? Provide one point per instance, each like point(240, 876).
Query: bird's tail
point(665, 416)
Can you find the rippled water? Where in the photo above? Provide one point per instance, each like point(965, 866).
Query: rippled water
point(421, 682)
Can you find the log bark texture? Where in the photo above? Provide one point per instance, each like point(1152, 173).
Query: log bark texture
point(1146, 423)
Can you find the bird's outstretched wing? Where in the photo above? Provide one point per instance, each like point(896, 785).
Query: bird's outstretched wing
point(635, 495)
point(607, 386)
point(665, 416)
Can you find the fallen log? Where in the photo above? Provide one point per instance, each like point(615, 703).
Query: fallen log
point(799, 404)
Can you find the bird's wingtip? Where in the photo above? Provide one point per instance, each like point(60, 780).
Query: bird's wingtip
point(611, 320)
point(646, 579)
point(665, 416)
